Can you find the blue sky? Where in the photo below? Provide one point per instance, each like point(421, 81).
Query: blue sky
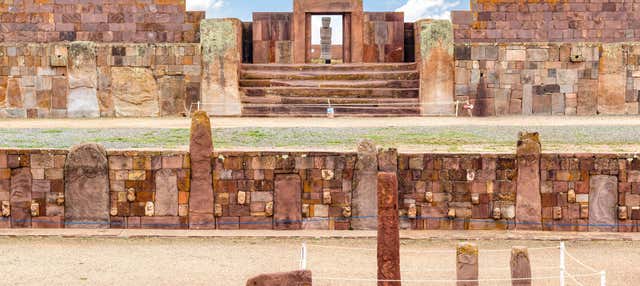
point(242, 9)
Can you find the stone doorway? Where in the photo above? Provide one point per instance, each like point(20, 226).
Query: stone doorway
point(340, 46)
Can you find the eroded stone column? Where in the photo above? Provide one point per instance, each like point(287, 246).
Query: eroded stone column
point(83, 81)
point(365, 181)
point(221, 43)
point(21, 180)
point(388, 230)
point(612, 80)
point(86, 176)
point(520, 266)
point(603, 202)
point(200, 151)
point(436, 63)
point(467, 264)
point(528, 198)
point(294, 278)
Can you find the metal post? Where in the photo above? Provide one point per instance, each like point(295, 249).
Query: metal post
point(198, 105)
point(303, 257)
point(457, 106)
point(562, 263)
point(603, 278)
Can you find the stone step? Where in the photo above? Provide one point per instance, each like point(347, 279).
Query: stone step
point(331, 83)
point(332, 92)
point(334, 101)
point(345, 75)
point(305, 111)
point(338, 67)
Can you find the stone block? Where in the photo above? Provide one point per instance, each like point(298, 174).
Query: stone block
point(388, 229)
point(467, 267)
point(83, 81)
point(612, 80)
point(528, 197)
point(201, 199)
point(134, 92)
point(295, 278)
point(288, 194)
point(437, 68)
point(365, 187)
point(603, 199)
point(87, 187)
point(520, 266)
point(221, 43)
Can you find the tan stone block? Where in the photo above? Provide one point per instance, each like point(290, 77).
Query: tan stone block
point(37, 174)
point(54, 174)
point(137, 175)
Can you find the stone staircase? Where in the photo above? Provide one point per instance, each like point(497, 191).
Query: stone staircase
point(309, 89)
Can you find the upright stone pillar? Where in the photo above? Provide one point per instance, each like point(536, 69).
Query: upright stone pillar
point(201, 208)
point(528, 198)
point(612, 79)
point(365, 181)
point(388, 230)
point(221, 42)
point(325, 40)
point(603, 203)
point(520, 267)
point(467, 264)
point(83, 81)
point(21, 181)
point(436, 64)
point(86, 182)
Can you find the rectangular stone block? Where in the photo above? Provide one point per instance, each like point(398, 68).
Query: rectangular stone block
point(288, 195)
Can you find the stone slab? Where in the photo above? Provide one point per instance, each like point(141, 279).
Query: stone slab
point(288, 202)
point(520, 266)
point(87, 187)
point(467, 267)
point(603, 202)
point(200, 150)
point(528, 197)
point(166, 193)
point(363, 202)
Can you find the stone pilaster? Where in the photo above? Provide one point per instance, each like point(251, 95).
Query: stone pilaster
point(364, 204)
point(434, 53)
point(528, 198)
point(83, 81)
point(467, 264)
point(520, 266)
point(221, 41)
point(388, 230)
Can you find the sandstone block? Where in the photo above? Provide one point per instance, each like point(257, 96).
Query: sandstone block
point(87, 187)
point(288, 194)
point(467, 264)
point(388, 229)
point(295, 278)
point(365, 207)
point(603, 199)
point(200, 150)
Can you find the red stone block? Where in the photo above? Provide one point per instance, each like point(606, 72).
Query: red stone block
point(167, 222)
point(252, 222)
point(228, 223)
point(133, 222)
point(47, 222)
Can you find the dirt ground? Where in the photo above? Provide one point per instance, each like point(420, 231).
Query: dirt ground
point(230, 261)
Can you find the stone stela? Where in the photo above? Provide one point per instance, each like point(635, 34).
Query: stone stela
point(325, 40)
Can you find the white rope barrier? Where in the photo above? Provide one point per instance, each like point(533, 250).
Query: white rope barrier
point(574, 279)
point(580, 262)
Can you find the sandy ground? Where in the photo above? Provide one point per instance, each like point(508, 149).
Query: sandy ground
point(233, 122)
point(230, 261)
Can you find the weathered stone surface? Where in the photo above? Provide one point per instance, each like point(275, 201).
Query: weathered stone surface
point(365, 181)
point(83, 81)
point(134, 92)
point(14, 93)
point(20, 198)
point(388, 229)
point(520, 266)
point(288, 198)
point(87, 187)
point(528, 198)
point(221, 55)
point(295, 278)
point(166, 193)
point(467, 264)
point(603, 200)
point(437, 67)
point(612, 80)
point(172, 99)
point(200, 150)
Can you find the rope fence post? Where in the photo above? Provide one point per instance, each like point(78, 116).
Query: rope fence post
point(562, 263)
point(603, 278)
point(303, 257)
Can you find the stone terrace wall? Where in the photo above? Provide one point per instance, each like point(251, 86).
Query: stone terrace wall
point(139, 21)
point(149, 189)
point(548, 78)
point(85, 79)
point(502, 21)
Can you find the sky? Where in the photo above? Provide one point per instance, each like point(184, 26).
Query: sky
point(414, 9)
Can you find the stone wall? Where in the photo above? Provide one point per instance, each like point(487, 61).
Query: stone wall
point(312, 190)
point(85, 79)
point(46, 21)
point(508, 21)
point(548, 78)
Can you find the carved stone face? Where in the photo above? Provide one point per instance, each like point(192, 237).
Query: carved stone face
point(413, 211)
point(326, 198)
point(242, 198)
point(35, 209)
point(6, 208)
point(346, 211)
point(268, 208)
point(131, 195)
point(149, 209)
point(428, 196)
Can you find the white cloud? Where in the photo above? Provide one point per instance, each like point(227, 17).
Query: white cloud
point(204, 5)
point(427, 9)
